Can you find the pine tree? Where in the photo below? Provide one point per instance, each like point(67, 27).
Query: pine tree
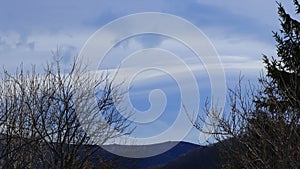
point(272, 137)
point(285, 71)
point(264, 125)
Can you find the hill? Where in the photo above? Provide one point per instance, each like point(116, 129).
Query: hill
point(183, 155)
point(205, 157)
point(145, 163)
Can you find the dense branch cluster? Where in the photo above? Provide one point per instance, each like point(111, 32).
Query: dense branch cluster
point(48, 120)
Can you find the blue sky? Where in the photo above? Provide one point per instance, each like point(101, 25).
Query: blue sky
point(241, 31)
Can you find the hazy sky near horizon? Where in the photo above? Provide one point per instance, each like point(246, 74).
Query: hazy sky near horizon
point(240, 31)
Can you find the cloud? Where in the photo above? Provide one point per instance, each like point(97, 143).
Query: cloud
point(238, 54)
point(13, 40)
point(70, 24)
point(240, 32)
point(63, 15)
point(38, 48)
point(264, 10)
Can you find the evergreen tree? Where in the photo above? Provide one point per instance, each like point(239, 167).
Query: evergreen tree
point(264, 125)
point(271, 136)
point(284, 72)
point(275, 122)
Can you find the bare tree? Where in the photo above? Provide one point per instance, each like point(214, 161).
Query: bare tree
point(252, 134)
point(48, 120)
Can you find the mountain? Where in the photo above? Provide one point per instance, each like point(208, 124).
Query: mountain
point(149, 162)
point(205, 157)
point(182, 155)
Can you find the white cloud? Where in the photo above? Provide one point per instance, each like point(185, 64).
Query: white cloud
point(237, 54)
point(36, 48)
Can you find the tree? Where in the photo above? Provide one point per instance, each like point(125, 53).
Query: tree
point(263, 123)
point(49, 120)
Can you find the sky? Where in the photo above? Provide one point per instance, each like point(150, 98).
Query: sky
point(240, 32)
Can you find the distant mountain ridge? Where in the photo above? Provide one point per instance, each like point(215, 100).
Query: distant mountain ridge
point(179, 149)
point(206, 157)
point(183, 155)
